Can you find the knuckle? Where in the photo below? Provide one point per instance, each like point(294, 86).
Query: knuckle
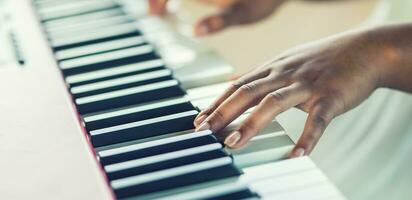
point(276, 97)
point(237, 84)
point(248, 89)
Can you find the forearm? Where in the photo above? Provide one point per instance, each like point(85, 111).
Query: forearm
point(395, 46)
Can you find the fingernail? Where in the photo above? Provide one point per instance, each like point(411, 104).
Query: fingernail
point(203, 126)
point(299, 152)
point(202, 30)
point(200, 119)
point(232, 139)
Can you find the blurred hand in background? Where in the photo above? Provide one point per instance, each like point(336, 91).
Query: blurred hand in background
point(232, 12)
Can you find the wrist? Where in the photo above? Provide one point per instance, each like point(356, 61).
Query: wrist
point(392, 45)
point(381, 55)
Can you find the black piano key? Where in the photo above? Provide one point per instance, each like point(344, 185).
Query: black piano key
point(143, 129)
point(159, 149)
point(109, 64)
point(243, 194)
point(83, 91)
point(128, 97)
point(113, 73)
point(166, 164)
point(135, 114)
point(209, 174)
point(97, 40)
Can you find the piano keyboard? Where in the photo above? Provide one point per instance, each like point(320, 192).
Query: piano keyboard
point(139, 116)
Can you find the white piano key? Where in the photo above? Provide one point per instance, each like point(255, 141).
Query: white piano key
point(203, 193)
point(78, 28)
point(162, 157)
point(104, 57)
point(207, 91)
point(318, 191)
point(142, 123)
point(134, 109)
point(120, 81)
point(67, 6)
point(81, 18)
point(267, 150)
point(52, 3)
point(128, 91)
point(273, 169)
point(135, 67)
point(140, 179)
point(134, 147)
point(290, 182)
point(101, 33)
point(66, 10)
point(268, 135)
point(71, 5)
point(99, 47)
point(266, 180)
point(90, 32)
point(202, 103)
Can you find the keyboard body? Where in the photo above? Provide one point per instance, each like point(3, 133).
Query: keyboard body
point(57, 143)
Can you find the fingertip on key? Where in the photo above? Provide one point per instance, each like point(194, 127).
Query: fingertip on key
point(203, 126)
point(198, 121)
point(299, 152)
point(232, 139)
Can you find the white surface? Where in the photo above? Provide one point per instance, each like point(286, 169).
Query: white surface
point(44, 152)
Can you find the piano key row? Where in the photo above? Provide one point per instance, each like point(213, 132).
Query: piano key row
point(152, 172)
point(296, 178)
point(138, 117)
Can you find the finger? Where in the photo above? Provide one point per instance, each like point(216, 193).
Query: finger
point(272, 105)
point(157, 7)
point(254, 75)
point(319, 117)
point(246, 96)
point(267, 70)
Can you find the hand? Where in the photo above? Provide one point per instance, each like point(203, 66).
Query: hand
point(324, 79)
point(233, 12)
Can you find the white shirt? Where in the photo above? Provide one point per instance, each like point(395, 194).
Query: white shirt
point(367, 152)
